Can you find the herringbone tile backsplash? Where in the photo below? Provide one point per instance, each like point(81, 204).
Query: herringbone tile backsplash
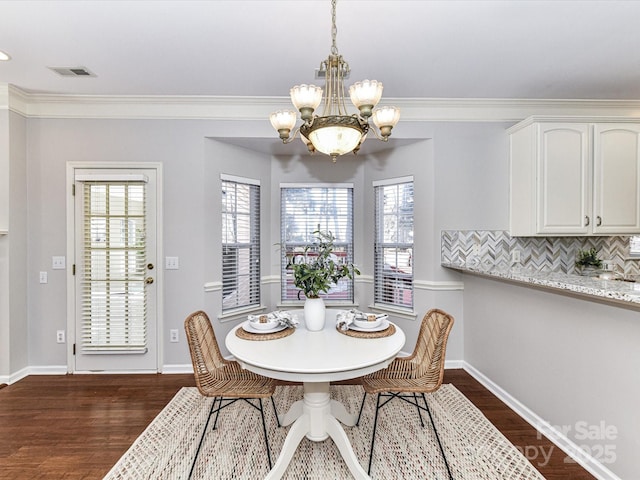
point(557, 254)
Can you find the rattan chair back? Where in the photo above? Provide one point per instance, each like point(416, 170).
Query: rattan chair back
point(207, 361)
point(214, 375)
point(423, 370)
point(430, 350)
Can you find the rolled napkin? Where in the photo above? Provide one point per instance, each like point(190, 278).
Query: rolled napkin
point(283, 318)
point(344, 319)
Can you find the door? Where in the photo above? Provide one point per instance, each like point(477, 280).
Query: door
point(115, 270)
point(564, 179)
point(616, 179)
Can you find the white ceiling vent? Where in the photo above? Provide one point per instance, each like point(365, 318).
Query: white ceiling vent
point(73, 71)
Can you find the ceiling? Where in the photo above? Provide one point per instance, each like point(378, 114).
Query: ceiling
point(429, 49)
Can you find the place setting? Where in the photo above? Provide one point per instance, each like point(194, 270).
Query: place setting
point(355, 323)
point(268, 326)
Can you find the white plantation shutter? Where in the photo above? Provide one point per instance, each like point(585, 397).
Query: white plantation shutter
point(113, 307)
point(240, 242)
point(393, 245)
point(305, 209)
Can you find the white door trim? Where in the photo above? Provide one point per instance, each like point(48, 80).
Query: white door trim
point(71, 260)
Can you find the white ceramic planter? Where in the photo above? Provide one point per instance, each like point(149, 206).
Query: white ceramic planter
point(314, 311)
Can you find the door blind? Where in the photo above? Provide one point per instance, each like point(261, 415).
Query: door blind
point(240, 243)
point(305, 209)
point(113, 306)
point(393, 246)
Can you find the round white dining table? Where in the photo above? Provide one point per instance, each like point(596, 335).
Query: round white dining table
point(316, 359)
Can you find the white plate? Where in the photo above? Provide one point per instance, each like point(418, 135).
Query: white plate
point(247, 327)
point(384, 325)
point(366, 324)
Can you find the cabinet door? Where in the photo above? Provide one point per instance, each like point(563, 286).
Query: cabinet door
point(616, 193)
point(564, 176)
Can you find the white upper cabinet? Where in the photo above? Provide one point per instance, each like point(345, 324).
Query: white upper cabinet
point(616, 174)
point(575, 178)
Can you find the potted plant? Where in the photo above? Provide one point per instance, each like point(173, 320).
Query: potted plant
point(588, 262)
point(315, 270)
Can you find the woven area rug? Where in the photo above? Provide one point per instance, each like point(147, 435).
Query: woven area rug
point(475, 449)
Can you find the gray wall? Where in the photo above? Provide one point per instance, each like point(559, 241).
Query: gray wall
point(570, 360)
point(13, 247)
point(18, 242)
point(5, 327)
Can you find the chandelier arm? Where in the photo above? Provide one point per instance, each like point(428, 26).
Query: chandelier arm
point(374, 129)
point(291, 136)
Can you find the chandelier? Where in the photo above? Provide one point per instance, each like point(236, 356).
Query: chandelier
point(335, 132)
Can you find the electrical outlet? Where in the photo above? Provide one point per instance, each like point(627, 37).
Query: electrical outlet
point(515, 256)
point(44, 278)
point(58, 263)
point(607, 265)
point(60, 336)
point(171, 263)
point(173, 336)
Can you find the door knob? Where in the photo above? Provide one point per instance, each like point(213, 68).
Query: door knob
point(148, 280)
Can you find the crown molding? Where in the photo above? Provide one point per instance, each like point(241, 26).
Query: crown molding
point(38, 105)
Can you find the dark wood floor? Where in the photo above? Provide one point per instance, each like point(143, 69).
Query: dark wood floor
point(78, 426)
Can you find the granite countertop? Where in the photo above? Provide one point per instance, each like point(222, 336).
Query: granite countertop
point(614, 290)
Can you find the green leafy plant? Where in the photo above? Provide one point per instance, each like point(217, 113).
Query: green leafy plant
point(315, 270)
point(588, 258)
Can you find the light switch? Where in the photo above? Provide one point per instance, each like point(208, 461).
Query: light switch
point(171, 263)
point(58, 263)
point(43, 277)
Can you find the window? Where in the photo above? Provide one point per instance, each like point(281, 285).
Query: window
point(305, 209)
point(114, 313)
point(240, 242)
point(393, 245)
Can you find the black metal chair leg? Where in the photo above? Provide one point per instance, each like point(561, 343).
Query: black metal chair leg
point(361, 407)
point(215, 422)
point(264, 428)
point(415, 399)
point(204, 432)
point(437, 437)
point(373, 436)
point(275, 411)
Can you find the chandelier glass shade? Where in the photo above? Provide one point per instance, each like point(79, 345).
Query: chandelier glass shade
point(335, 132)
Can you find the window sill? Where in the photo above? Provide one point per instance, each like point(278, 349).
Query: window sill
point(397, 312)
point(232, 315)
point(297, 305)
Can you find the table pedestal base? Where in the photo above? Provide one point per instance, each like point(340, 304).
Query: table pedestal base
point(316, 417)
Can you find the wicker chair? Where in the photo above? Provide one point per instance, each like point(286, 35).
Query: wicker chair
point(420, 373)
point(226, 381)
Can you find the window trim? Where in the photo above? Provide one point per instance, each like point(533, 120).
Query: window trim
point(253, 245)
point(377, 244)
point(349, 245)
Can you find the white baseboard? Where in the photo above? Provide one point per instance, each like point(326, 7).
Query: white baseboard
point(26, 371)
point(14, 377)
point(453, 364)
point(166, 369)
point(169, 369)
point(584, 459)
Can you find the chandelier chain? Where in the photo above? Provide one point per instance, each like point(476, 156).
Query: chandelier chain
point(334, 28)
